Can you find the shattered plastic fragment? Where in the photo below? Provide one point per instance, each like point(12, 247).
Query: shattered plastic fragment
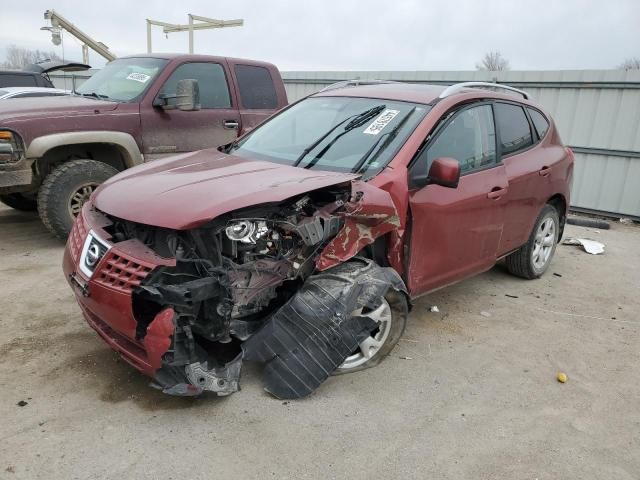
point(314, 332)
point(589, 246)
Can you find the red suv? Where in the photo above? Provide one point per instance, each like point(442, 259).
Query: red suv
point(301, 244)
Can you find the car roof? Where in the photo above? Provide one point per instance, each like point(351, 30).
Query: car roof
point(405, 92)
point(194, 57)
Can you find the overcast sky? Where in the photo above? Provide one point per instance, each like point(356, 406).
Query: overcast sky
point(353, 35)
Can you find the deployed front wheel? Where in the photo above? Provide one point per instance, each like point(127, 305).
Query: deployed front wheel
point(66, 189)
point(534, 257)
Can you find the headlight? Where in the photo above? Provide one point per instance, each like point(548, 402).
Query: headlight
point(10, 147)
point(246, 231)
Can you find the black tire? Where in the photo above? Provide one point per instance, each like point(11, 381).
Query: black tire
point(59, 187)
point(19, 201)
point(521, 262)
point(399, 314)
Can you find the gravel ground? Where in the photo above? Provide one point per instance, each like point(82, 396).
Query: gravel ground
point(469, 392)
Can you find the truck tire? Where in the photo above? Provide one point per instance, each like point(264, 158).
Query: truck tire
point(20, 202)
point(534, 257)
point(66, 189)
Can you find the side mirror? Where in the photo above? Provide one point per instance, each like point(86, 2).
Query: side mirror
point(186, 98)
point(444, 171)
point(188, 95)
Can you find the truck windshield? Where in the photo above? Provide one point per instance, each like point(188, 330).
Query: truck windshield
point(123, 80)
point(342, 134)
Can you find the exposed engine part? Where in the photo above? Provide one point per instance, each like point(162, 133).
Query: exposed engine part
point(307, 339)
point(222, 381)
point(246, 231)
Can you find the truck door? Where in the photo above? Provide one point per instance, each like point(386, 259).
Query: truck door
point(174, 131)
point(455, 232)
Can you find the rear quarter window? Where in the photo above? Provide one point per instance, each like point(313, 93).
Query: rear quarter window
point(257, 91)
point(539, 121)
point(513, 128)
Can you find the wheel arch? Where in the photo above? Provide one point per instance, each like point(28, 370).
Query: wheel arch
point(51, 150)
point(559, 202)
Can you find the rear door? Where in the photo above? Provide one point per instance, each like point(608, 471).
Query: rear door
point(455, 232)
point(528, 164)
point(260, 92)
point(216, 123)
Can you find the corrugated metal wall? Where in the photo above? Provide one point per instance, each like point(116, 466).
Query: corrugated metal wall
point(596, 111)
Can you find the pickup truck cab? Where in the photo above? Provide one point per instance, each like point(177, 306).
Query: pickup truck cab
point(55, 151)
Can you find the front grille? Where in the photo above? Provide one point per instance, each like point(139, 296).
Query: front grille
point(120, 273)
point(77, 237)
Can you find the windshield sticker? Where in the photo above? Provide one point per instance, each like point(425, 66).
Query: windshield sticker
point(138, 77)
point(379, 123)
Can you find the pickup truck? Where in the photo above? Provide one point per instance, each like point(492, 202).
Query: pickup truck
point(55, 151)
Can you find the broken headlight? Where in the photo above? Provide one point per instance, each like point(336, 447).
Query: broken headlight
point(246, 231)
point(10, 147)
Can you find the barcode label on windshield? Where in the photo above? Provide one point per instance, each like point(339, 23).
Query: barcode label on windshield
point(379, 123)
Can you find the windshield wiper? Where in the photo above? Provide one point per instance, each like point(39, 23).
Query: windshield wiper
point(355, 122)
point(362, 164)
point(94, 95)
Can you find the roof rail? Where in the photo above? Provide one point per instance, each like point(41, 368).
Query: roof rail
point(354, 83)
point(456, 88)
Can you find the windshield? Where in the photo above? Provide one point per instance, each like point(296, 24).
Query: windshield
point(341, 134)
point(122, 80)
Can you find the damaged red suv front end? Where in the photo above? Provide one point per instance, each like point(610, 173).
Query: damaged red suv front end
point(186, 299)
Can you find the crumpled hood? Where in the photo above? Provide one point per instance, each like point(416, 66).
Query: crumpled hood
point(20, 109)
point(186, 191)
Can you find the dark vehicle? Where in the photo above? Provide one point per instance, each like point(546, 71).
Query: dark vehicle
point(54, 151)
point(36, 75)
point(301, 244)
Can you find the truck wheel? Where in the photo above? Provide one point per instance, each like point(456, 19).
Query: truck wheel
point(66, 189)
point(391, 316)
point(20, 201)
point(534, 257)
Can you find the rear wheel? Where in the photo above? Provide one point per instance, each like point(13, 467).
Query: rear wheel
point(66, 189)
point(391, 317)
point(20, 201)
point(534, 257)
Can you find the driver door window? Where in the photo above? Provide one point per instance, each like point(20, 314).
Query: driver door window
point(469, 138)
point(212, 82)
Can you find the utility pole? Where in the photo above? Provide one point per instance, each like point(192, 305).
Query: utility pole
point(206, 23)
point(58, 22)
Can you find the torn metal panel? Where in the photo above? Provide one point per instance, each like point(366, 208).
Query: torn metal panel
point(369, 214)
point(307, 339)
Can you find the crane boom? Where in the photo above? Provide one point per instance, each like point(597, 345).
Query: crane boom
point(59, 21)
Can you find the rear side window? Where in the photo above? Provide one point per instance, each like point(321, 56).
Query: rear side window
point(469, 138)
point(214, 91)
point(541, 123)
point(515, 132)
point(256, 87)
point(16, 80)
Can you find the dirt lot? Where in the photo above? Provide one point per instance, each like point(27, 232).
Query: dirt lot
point(464, 395)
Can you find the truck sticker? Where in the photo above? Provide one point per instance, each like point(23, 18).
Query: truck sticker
point(379, 123)
point(138, 77)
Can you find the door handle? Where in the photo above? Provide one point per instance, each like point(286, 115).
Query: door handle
point(231, 124)
point(496, 193)
point(544, 171)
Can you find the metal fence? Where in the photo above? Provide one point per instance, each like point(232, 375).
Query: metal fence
point(596, 111)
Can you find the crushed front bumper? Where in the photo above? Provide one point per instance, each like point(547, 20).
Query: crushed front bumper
point(105, 296)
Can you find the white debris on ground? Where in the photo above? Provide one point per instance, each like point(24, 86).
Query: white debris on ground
point(590, 246)
point(485, 314)
point(434, 309)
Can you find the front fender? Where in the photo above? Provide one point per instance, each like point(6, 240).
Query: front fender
point(370, 214)
point(123, 141)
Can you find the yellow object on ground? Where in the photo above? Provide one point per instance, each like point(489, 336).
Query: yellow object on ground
point(562, 377)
